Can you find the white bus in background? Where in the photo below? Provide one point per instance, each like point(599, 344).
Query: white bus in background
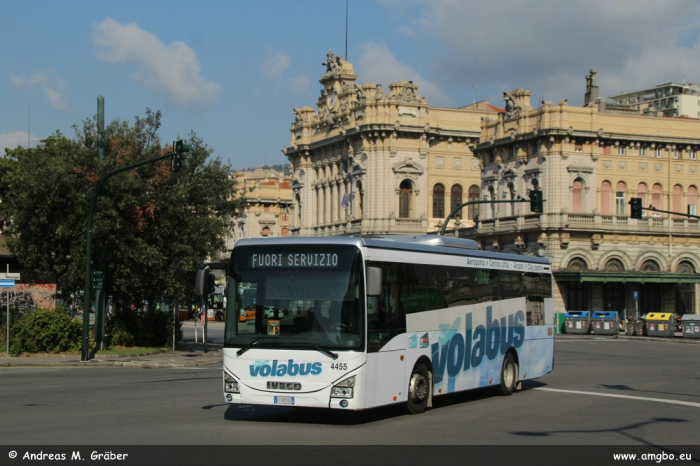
point(355, 323)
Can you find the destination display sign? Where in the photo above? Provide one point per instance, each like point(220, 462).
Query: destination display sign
point(292, 260)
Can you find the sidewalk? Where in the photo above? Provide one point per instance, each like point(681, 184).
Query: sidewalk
point(678, 338)
point(187, 354)
point(190, 354)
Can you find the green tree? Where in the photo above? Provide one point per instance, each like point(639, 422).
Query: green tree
point(153, 227)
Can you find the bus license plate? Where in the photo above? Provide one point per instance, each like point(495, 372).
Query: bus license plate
point(284, 400)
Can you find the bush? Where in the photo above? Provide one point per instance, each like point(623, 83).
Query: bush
point(137, 328)
point(45, 330)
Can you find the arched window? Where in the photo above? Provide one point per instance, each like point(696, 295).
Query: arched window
point(677, 199)
point(692, 199)
point(650, 266)
point(642, 194)
point(656, 196)
point(406, 199)
point(265, 232)
point(359, 200)
point(511, 196)
point(438, 201)
point(474, 195)
point(620, 199)
point(319, 206)
point(577, 197)
point(577, 264)
point(614, 265)
point(456, 199)
point(685, 267)
point(284, 233)
point(605, 189)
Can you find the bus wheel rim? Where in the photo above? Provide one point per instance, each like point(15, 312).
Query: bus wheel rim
point(419, 388)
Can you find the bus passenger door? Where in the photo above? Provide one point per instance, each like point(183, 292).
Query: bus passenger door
point(386, 374)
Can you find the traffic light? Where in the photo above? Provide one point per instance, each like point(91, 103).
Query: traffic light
point(536, 201)
point(181, 150)
point(636, 207)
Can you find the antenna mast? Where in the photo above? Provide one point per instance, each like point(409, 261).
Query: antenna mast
point(346, 30)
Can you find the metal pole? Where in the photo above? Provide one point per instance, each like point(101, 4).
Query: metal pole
point(206, 319)
point(458, 208)
point(88, 249)
point(100, 128)
point(8, 316)
point(176, 316)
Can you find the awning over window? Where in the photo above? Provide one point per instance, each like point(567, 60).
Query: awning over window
point(626, 277)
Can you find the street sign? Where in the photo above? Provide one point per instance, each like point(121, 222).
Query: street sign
point(98, 280)
point(9, 276)
point(636, 295)
point(7, 283)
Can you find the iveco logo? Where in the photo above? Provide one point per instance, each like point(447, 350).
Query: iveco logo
point(284, 385)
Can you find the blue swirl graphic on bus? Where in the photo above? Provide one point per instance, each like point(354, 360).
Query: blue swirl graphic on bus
point(457, 351)
point(279, 369)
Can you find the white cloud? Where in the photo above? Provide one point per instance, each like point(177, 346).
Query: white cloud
point(548, 46)
point(50, 83)
point(377, 64)
point(16, 138)
point(172, 70)
point(299, 85)
point(273, 67)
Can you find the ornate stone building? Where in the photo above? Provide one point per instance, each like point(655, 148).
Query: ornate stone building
point(267, 212)
point(588, 162)
point(368, 162)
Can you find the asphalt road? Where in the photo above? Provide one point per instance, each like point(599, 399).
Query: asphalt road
point(602, 391)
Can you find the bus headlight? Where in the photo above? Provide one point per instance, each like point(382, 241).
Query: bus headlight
point(344, 389)
point(230, 384)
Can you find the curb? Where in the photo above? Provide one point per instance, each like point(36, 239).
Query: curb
point(681, 340)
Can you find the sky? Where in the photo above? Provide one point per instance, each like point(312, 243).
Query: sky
point(232, 71)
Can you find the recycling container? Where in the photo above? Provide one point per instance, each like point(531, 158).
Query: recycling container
point(578, 322)
point(560, 323)
point(660, 324)
point(691, 325)
point(605, 323)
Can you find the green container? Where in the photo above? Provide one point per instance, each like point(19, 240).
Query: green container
point(559, 323)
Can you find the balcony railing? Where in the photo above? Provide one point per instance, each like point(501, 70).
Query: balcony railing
point(589, 222)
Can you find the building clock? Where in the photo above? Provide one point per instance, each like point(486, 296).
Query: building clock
point(332, 101)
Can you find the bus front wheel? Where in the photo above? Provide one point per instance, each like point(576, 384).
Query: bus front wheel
point(509, 375)
point(418, 389)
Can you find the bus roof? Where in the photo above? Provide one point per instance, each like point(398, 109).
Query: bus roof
point(434, 244)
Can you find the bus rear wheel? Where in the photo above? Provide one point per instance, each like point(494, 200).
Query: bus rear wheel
point(509, 375)
point(418, 389)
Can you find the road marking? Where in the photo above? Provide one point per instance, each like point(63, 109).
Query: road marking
point(611, 395)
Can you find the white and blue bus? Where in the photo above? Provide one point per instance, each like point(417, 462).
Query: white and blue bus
point(360, 322)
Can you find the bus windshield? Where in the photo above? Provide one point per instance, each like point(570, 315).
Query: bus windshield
point(296, 296)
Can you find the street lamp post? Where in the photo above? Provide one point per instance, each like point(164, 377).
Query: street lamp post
point(88, 249)
point(535, 206)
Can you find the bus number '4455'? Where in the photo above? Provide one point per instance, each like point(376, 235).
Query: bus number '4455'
point(341, 366)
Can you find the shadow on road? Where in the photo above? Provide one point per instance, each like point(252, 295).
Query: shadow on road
point(250, 413)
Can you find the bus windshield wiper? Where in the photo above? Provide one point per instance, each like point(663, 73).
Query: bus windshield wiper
point(251, 344)
point(319, 348)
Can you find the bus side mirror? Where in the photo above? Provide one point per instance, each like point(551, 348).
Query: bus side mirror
point(202, 281)
point(231, 304)
point(374, 281)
